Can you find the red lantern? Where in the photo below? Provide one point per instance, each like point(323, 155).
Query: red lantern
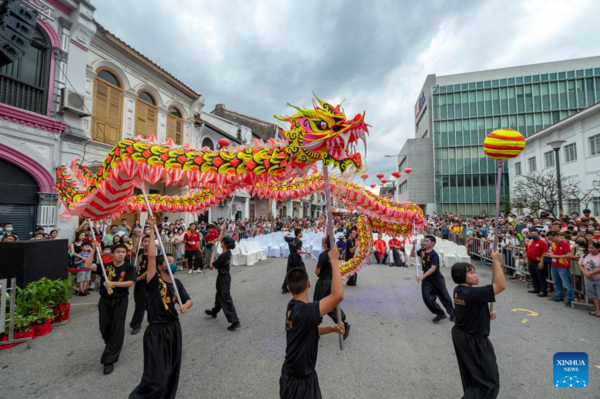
point(384, 181)
point(408, 170)
point(223, 142)
point(396, 174)
point(380, 175)
point(373, 185)
point(364, 176)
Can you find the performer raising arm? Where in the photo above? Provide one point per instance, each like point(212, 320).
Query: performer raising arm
point(162, 339)
point(298, 376)
point(294, 258)
point(474, 351)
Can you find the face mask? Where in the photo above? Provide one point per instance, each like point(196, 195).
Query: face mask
point(147, 232)
point(173, 267)
point(533, 237)
point(126, 239)
point(582, 244)
point(114, 230)
point(9, 229)
point(106, 252)
point(38, 238)
point(529, 225)
point(170, 235)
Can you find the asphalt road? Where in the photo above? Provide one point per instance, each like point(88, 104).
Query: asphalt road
point(394, 350)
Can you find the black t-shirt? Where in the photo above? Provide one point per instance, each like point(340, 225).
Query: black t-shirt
point(325, 265)
point(294, 243)
point(142, 264)
point(471, 308)
point(302, 337)
point(429, 259)
point(223, 262)
point(162, 299)
point(350, 243)
point(125, 272)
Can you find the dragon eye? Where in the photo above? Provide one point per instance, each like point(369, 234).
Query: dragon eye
point(323, 125)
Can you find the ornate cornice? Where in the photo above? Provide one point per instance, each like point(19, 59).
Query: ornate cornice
point(31, 119)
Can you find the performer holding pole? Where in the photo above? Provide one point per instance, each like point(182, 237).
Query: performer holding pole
point(162, 338)
point(474, 351)
point(162, 247)
point(302, 318)
point(117, 277)
point(294, 258)
point(139, 290)
point(338, 311)
point(323, 287)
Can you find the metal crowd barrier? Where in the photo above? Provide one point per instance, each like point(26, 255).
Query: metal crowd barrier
point(481, 249)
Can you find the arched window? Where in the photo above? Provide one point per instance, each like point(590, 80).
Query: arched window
point(175, 126)
point(145, 115)
point(24, 83)
point(208, 143)
point(107, 112)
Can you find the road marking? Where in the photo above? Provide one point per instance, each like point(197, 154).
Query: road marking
point(583, 340)
point(529, 312)
point(84, 303)
point(598, 367)
point(524, 321)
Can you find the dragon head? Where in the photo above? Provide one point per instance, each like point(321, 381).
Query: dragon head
point(324, 133)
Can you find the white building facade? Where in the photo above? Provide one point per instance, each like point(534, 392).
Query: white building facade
point(579, 157)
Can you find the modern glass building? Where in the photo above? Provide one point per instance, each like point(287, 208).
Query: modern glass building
point(460, 110)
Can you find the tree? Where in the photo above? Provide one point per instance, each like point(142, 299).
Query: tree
point(538, 191)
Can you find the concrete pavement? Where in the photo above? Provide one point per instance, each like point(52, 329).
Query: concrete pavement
point(394, 350)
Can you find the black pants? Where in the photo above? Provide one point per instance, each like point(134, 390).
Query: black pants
point(162, 362)
point(194, 256)
point(223, 298)
point(396, 257)
point(432, 288)
point(323, 289)
point(477, 365)
point(294, 260)
point(139, 296)
point(112, 313)
point(538, 277)
point(303, 387)
point(378, 257)
point(352, 279)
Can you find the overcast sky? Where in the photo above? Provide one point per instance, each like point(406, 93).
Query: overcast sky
point(256, 56)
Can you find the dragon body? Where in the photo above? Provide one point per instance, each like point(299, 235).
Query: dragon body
point(276, 170)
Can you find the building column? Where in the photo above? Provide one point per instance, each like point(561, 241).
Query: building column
point(290, 208)
point(246, 214)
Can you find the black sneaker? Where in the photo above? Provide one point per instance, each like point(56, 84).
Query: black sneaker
point(439, 318)
point(533, 292)
point(284, 292)
point(108, 368)
point(347, 330)
point(542, 295)
point(452, 319)
point(211, 313)
point(234, 326)
point(135, 331)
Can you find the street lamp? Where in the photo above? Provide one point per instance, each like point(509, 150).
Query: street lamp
point(556, 147)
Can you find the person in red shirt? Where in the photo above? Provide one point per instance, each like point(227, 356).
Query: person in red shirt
point(380, 250)
point(397, 255)
point(192, 241)
point(211, 238)
point(561, 268)
point(536, 248)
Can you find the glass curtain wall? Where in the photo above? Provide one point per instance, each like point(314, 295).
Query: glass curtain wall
point(463, 114)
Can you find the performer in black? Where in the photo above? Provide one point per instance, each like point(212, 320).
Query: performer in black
point(434, 285)
point(351, 244)
point(323, 287)
point(139, 290)
point(294, 259)
point(302, 318)
point(162, 338)
point(474, 351)
point(223, 298)
point(112, 308)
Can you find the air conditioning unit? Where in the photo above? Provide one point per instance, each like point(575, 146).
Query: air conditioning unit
point(72, 102)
